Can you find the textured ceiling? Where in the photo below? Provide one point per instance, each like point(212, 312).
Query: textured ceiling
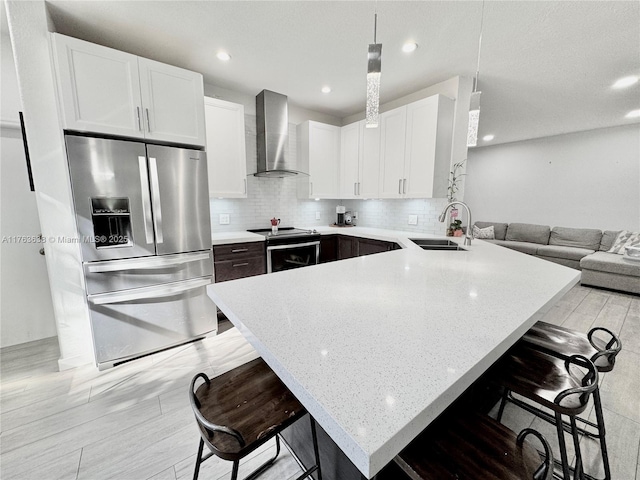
point(546, 67)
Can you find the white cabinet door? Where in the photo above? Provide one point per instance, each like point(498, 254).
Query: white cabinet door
point(173, 101)
point(428, 147)
point(226, 155)
point(350, 142)
point(99, 88)
point(369, 186)
point(392, 144)
point(319, 150)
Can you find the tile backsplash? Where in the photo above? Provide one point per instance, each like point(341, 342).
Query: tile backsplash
point(277, 197)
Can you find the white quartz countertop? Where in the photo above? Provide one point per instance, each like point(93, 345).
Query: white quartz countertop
point(376, 347)
point(224, 238)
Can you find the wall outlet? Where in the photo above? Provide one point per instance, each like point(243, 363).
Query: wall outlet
point(413, 219)
point(224, 219)
point(317, 215)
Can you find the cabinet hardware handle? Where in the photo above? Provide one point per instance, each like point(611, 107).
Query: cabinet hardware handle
point(399, 186)
point(311, 189)
point(240, 264)
point(404, 185)
point(148, 121)
point(354, 188)
point(245, 186)
point(359, 189)
point(238, 250)
point(138, 113)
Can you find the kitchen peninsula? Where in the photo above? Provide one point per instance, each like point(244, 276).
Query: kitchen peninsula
point(376, 347)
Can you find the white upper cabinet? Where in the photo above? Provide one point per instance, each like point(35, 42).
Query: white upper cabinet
point(392, 145)
point(173, 103)
point(319, 154)
point(350, 140)
point(359, 161)
point(226, 154)
point(106, 91)
point(415, 149)
point(99, 88)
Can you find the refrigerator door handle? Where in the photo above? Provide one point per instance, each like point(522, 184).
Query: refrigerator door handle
point(155, 197)
point(155, 291)
point(145, 263)
point(146, 201)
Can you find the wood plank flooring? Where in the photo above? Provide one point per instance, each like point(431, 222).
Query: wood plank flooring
point(134, 421)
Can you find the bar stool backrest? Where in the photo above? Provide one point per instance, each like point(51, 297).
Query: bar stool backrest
point(588, 382)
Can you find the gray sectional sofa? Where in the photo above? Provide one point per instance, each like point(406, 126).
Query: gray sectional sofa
point(581, 248)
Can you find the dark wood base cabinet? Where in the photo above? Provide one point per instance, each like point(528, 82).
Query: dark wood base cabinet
point(334, 463)
point(341, 247)
point(239, 260)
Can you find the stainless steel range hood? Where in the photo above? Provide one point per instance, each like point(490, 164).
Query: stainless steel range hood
point(272, 124)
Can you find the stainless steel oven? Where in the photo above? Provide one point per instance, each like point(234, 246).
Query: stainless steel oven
point(290, 248)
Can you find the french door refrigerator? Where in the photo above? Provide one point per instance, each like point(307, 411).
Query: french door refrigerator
point(142, 213)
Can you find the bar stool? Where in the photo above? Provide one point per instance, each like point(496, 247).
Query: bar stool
point(563, 342)
point(563, 386)
point(471, 446)
point(242, 409)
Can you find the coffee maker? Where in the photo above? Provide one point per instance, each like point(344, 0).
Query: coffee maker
point(340, 214)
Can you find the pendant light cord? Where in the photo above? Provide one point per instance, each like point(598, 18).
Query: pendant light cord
point(475, 86)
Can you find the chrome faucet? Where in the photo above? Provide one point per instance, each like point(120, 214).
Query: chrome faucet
point(467, 237)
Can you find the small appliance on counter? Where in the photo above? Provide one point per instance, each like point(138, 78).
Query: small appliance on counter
point(274, 225)
point(340, 215)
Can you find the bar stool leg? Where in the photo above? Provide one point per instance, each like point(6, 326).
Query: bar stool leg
point(601, 433)
point(578, 471)
point(198, 460)
point(234, 470)
point(315, 446)
point(566, 471)
point(505, 397)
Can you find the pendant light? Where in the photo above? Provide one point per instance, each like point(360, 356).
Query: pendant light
point(374, 63)
point(474, 106)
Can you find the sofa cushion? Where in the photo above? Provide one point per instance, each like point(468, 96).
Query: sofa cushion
point(588, 238)
point(487, 233)
point(560, 251)
point(608, 237)
point(528, 232)
point(611, 263)
point(499, 229)
point(524, 247)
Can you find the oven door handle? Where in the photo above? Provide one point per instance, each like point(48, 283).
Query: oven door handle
point(293, 245)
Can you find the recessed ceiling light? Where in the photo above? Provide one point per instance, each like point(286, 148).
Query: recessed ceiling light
point(626, 82)
point(633, 114)
point(409, 47)
point(488, 138)
point(326, 89)
point(224, 56)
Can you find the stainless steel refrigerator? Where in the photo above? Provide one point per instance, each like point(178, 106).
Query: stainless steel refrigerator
point(145, 233)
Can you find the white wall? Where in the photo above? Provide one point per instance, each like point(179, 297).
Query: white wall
point(587, 179)
point(26, 312)
point(29, 31)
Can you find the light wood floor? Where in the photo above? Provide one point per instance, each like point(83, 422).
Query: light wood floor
point(134, 421)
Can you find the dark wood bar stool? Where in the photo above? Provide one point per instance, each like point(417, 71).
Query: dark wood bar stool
point(472, 446)
point(242, 409)
point(561, 385)
point(563, 342)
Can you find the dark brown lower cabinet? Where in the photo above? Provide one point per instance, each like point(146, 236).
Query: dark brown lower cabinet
point(347, 247)
point(367, 246)
point(328, 248)
point(239, 260)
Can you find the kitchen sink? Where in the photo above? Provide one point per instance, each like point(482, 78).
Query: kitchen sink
point(436, 244)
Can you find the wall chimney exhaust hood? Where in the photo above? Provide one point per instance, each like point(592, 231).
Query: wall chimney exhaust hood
point(272, 122)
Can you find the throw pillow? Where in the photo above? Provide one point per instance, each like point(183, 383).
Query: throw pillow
point(624, 239)
point(484, 233)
